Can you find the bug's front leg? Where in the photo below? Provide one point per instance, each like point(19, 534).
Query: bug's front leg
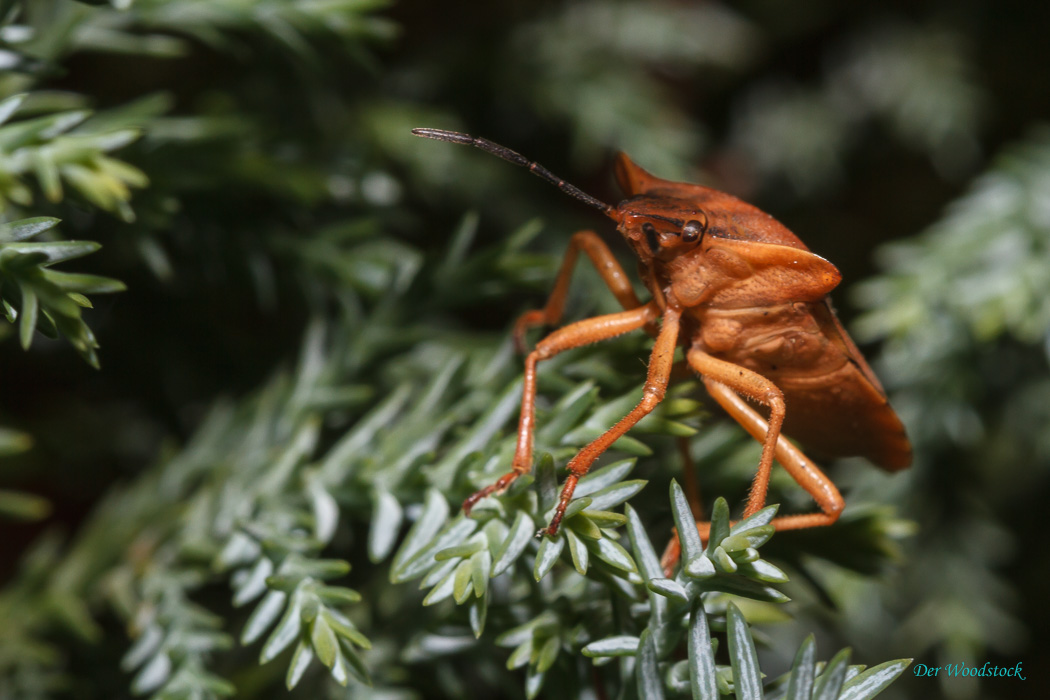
point(660, 362)
point(574, 335)
point(606, 264)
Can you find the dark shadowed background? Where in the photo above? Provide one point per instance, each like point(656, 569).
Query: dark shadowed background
point(247, 166)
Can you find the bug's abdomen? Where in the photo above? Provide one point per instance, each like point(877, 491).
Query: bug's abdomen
point(835, 406)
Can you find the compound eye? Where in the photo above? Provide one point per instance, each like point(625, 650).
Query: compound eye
point(651, 237)
point(694, 229)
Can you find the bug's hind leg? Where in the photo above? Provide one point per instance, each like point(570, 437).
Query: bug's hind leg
point(574, 335)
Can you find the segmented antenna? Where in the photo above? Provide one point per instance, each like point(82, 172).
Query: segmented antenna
point(518, 159)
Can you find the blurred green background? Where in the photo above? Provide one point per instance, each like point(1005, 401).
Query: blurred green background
point(247, 166)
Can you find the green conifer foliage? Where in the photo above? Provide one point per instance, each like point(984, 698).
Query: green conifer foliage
point(241, 475)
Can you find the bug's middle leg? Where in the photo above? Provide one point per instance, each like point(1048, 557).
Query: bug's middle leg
point(801, 468)
point(660, 362)
point(757, 388)
point(719, 373)
point(574, 335)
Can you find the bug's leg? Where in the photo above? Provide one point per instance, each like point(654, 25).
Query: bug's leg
point(719, 373)
point(574, 335)
point(801, 468)
point(757, 388)
point(606, 264)
point(660, 363)
point(798, 465)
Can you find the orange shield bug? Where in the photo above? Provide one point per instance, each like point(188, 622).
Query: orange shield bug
point(747, 302)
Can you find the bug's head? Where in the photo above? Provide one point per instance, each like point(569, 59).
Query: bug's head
point(661, 227)
point(656, 219)
point(673, 211)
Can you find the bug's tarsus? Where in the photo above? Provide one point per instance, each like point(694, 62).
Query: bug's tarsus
point(518, 159)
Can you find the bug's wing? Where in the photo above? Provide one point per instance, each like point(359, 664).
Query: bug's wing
point(846, 412)
point(833, 330)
